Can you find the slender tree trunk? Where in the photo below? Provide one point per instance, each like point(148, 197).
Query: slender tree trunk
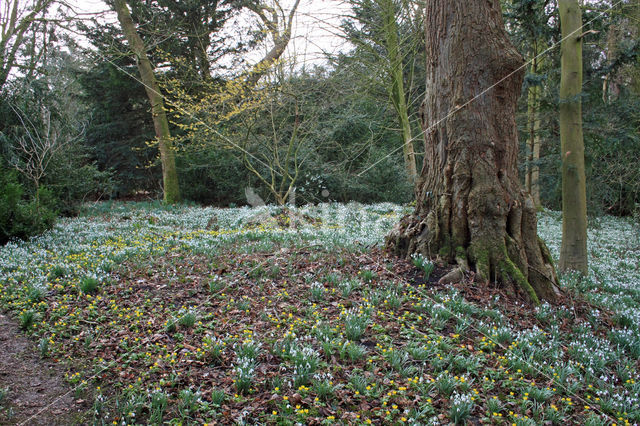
point(13, 30)
point(408, 151)
point(160, 122)
point(532, 176)
point(610, 84)
point(537, 143)
point(471, 209)
point(402, 110)
point(573, 253)
point(398, 96)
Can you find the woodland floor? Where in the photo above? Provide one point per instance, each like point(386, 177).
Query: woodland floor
point(36, 391)
point(145, 316)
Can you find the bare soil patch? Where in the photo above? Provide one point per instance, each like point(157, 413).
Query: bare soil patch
point(36, 393)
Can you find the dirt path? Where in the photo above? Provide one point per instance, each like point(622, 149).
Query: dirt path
point(32, 384)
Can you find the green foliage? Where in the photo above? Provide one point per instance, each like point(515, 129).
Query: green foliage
point(212, 176)
point(27, 318)
point(72, 179)
point(373, 180)
point(120, 127)
point(354, 351)
point(461, 407)
point(245, 372)
point(355, 324)
point(317, 291)
point(399, 361)
point(305, 363)
point(445, 384)
point(159, 401)
point(348, 286)
point(610, 119)
point(218, 396)
point(170, 325)
point(35, 293)
point(612, 144)
point(248, 349)
point(57, 272)
point(419, 261)
point(20, 216)
point(43, 347)
point(214, 347)
point(344, 149)
point(41, 128)
point(187, 319)
point(89, 285)
point(188, 402)
point(358, 382)
point(367, 275)
point(323, 388)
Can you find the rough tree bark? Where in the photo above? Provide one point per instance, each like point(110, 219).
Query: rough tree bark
point(160, 122)
point(573, 252)
point(471, 209)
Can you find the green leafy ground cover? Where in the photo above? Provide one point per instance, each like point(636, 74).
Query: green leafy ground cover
point(160, 314)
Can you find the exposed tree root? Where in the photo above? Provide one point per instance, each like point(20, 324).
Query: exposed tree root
point(470, 208)
point(495, 239)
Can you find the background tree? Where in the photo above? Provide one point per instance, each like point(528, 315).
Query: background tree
point(610, 123)
point(264, 127)
point(186, 40)
point(197, 26)
point(18, 18)
point(471, 208)
point(573, 253)
point(197, 44)
point(277, 23)
point(118, 126)
point(532, 30)
point(609, 128)
point(357, 141)
point(274, 136)
point(387, 40)
point(45, 168)
point(160, 122)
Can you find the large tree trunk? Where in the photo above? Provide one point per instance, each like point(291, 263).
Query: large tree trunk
point(573, 253)
point(470, 208)
point(160, 122)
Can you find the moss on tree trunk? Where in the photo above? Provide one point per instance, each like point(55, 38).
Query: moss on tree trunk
point(471, 209)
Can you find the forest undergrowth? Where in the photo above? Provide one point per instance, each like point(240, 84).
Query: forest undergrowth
point(284, 316)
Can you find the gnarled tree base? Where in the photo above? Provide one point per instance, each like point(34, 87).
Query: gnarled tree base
point(470, 209)
point(482, 223)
